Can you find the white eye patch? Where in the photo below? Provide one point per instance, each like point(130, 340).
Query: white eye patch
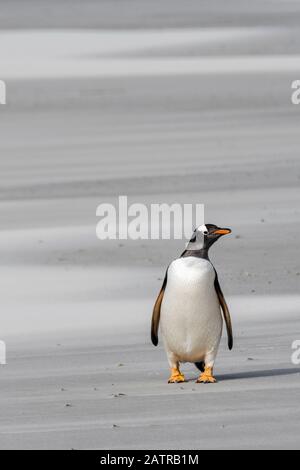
point(202, 229)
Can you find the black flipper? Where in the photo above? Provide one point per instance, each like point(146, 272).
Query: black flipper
point(225, 311)
point(156, 313)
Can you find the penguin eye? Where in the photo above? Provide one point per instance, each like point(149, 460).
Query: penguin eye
point(205, 232)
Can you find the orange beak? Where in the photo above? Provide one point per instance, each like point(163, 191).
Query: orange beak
point(222, 231)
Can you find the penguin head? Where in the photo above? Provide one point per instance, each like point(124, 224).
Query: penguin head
point(205, 236)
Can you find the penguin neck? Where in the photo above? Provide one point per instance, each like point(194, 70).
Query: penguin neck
point(203, 253)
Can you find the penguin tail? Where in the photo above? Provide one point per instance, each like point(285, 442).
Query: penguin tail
point(200, 366)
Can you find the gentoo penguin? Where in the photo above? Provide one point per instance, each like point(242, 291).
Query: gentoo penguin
point(189, 307)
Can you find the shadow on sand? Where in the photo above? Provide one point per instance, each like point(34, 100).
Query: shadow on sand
point(258, 374)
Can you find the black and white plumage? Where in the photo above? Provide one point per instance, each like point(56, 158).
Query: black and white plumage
point(189, 307)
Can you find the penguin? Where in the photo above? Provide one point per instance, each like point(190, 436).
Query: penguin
point(188, 308)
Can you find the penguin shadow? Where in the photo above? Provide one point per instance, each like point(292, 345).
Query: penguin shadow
point(257, 374)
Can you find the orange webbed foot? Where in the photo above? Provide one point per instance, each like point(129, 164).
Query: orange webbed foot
point(207, 377)
point(176, 377)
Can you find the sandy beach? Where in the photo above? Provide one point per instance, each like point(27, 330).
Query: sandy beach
point(163, 103)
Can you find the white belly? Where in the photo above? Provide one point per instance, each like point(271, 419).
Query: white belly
point(191, 320)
